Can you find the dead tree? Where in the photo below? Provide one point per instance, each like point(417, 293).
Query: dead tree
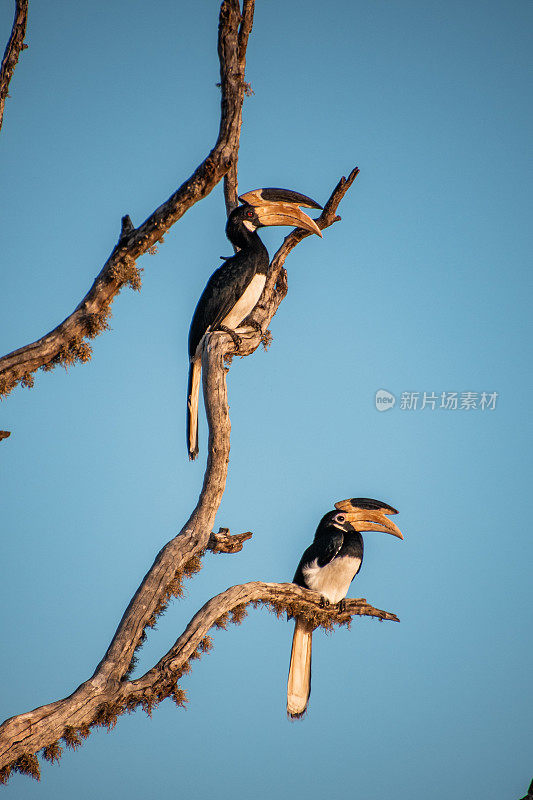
point(110, 691)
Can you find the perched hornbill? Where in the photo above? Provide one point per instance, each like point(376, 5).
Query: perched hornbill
point(233, 289)
point(328, 566)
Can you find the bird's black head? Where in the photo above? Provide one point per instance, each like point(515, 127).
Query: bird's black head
point(242, 223)
point(335, 519)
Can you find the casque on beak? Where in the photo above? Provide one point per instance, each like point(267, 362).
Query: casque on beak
point(370, 519)
point(280, 207)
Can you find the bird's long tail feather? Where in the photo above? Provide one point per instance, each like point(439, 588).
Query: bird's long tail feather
point(299, 682)
point(193, 392)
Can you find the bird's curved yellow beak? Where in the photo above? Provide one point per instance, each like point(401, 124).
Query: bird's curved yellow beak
point(286, 214)
point(281, 207)
point(364, 519)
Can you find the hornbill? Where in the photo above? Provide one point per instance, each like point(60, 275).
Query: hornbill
point(233, 289)
point(328, 566)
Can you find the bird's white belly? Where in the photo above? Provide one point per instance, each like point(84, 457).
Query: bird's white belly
point(333, 580)
point(246, 302)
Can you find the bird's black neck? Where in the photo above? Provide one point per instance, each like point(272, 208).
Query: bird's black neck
point(244, 239)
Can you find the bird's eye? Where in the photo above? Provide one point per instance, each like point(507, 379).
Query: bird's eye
point(249, 213)
point(340, 517)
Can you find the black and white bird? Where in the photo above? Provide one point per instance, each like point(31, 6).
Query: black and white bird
point(328, 566)
point(233, 289)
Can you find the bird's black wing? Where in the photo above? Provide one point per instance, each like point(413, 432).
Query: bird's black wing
point(328, 547)
point(223, 289)
point(323, 550)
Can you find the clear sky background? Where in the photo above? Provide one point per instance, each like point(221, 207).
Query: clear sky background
point(423, 287)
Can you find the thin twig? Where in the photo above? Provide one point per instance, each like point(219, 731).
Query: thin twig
point(327, 218)
point(276, 283)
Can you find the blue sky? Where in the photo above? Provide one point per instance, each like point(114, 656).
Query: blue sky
point(424, 287)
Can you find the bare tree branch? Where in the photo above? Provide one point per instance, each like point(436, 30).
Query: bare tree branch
point(67, 342)
point(12, 52)
point(71, 719)
point(279, 597)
